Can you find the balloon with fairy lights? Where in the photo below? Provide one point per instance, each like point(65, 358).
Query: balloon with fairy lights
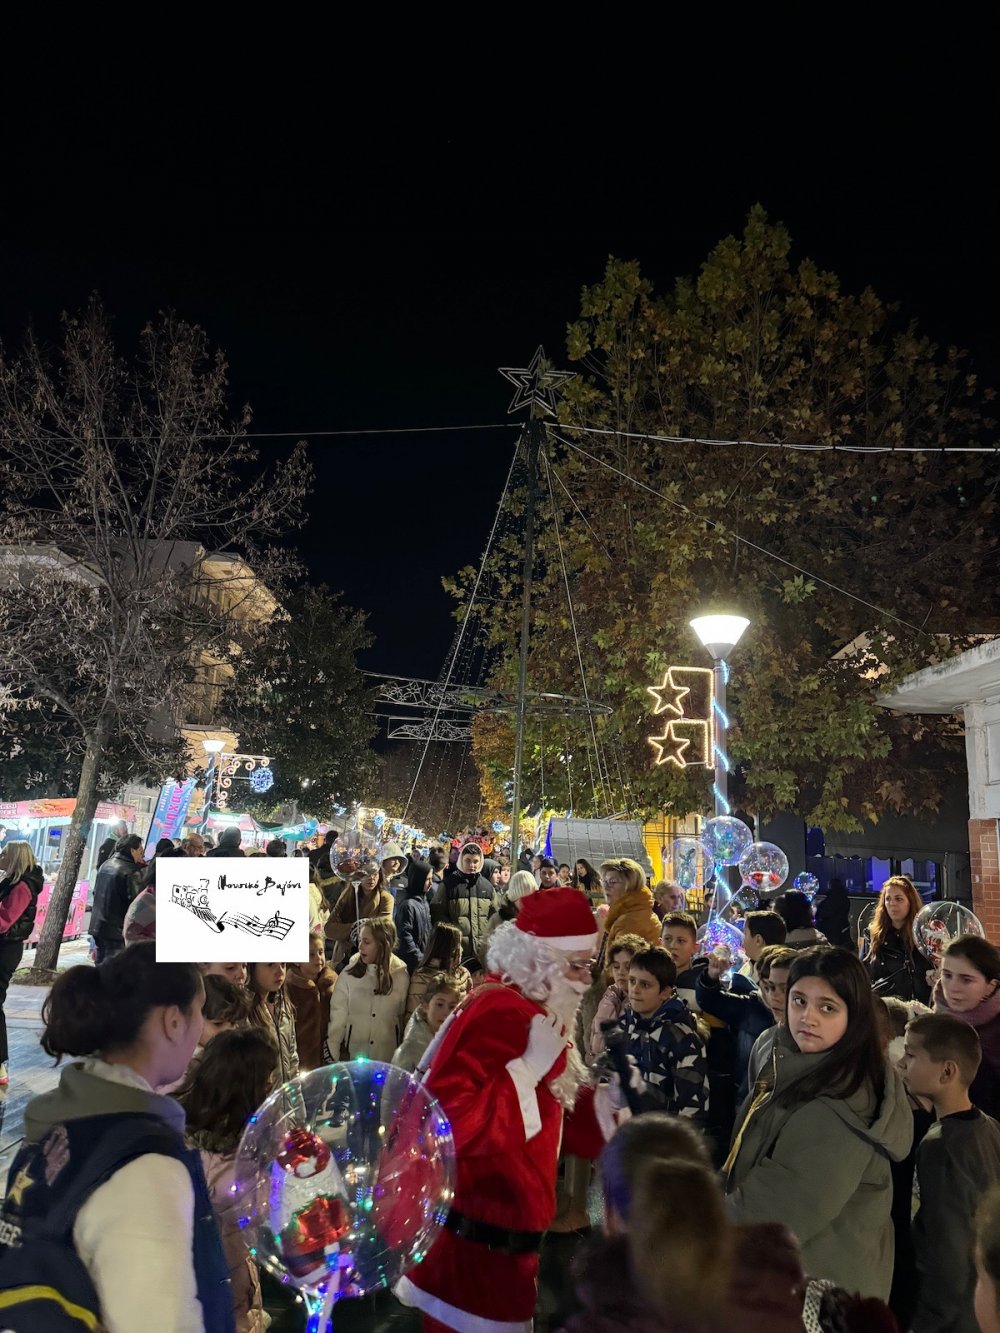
point(342, 1180)
point(726, 839)
point(353, 853)
point(938, 924)
point(765, 866)
point(806, 883)
point(865, 919)
point(722, 937)
point(687, 863)
point(745, 899)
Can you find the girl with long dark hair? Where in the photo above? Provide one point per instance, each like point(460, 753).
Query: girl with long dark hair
point(828, 1090)
point(888, 948)
point(585, 877)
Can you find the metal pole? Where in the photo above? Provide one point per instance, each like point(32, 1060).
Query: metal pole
point(720, 752)
point(209, 793)
point(533, 439)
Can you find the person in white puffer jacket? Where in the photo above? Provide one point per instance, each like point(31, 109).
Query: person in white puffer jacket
point(369, 1001)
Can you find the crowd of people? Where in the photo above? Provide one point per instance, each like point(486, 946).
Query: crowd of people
point(806, 1140)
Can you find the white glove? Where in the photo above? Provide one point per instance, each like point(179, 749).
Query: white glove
point(546, 1042)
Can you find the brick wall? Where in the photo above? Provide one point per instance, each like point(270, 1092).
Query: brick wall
point(984, 850)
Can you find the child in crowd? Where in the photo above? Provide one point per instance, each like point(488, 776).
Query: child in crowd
point(441, 997)
point(968, 990)
point(958, 1159)
point(443, 954)
point(662, 1198)
point(466, 899)
point(746, 1013)
point(679, 936)
point(221, 1092)
point(369, 1000)
point(144, 1230)
point(772, 965)
point(796, 911)
point(615, 997)
point(370, 896)
point(271, 1010)
point(760, 929)
point(309, 987)
point(663, 1038)
point(412, 914)
point(832, 1093)
point(234, 972)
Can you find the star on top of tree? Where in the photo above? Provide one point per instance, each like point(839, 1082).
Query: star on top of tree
point(670, 748)
point(676, 693)
point(536, 384)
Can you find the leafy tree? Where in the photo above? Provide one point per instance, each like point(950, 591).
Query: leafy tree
point(299, 695)
point(121, 474)
point(446, 798)
point(763, 347)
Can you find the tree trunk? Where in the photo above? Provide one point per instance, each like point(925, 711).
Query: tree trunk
point(47, 952)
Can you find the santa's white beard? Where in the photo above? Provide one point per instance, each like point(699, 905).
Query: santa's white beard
point(564, 1002)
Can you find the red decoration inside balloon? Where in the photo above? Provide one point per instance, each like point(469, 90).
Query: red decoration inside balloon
point(312, 1237)
point(303, 1154)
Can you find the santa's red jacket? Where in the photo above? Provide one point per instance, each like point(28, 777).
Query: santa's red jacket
point(504, 1178)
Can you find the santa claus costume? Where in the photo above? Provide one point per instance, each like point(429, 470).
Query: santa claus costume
point(504, 1070)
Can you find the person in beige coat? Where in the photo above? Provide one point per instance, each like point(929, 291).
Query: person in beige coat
point(369, 1001)
point(369, 897)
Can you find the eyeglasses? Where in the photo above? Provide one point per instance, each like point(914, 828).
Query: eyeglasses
point(576, 965)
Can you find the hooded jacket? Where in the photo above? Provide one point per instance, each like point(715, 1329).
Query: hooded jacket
point(466, 900)
point(143, 1261)
point(985, 1018)
point(821, 1167)
point(412, 916)
point(361, 1021)
point(670, 1056)
point(632, 914)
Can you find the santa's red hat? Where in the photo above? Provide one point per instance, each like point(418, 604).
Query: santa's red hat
point(559, 917)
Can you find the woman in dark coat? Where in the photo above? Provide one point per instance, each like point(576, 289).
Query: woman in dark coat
point(889, 951)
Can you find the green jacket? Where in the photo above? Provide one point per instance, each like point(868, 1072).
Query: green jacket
point(822, 1169)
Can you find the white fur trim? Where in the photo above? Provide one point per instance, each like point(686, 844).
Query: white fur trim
point(527, 1097)
point(568, 943)
point(418, 1299)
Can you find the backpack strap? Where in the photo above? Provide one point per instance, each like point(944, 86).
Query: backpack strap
point(123, 1142)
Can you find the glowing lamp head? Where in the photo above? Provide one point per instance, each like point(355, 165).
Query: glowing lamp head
point(214, 747)
point(719, 634)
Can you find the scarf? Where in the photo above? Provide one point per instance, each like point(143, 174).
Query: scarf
point(983, 1013)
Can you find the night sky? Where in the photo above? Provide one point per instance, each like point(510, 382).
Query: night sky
point(392, 301)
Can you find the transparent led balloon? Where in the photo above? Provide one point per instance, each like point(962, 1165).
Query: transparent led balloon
point(745, 899)
point(343, 1178)
point(937, 924)
point(726, 839)
point(687, 863)
point(354, 853)
point(765, 866)
point(865, 919)
point(722, 937)
point(806, 883)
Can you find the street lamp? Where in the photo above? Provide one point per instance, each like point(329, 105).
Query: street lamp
point(213, 749)
point(720, 634)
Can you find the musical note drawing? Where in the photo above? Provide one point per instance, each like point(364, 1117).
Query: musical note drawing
point(275, 927)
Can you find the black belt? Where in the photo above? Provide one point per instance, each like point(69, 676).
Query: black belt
point(494, 1238)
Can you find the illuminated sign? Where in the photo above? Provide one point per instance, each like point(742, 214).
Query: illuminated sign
point(687, 698)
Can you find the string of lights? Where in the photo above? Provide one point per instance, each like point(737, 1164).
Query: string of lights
point(719, 747)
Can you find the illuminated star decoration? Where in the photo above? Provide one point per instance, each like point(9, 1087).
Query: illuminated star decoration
point(536, 384)
point(21, 1182)
point(670, 748)
point(669, 687)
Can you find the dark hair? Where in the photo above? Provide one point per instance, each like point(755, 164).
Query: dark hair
point(795, 910)
point(658, 963)
point(589, 877)
point(988, 1233)
point(774, 955)
point(768, 925)
point(130, 844)
point(547, 863)
point(164, 845)
point(223, 1088)
point(444, 948)
point(984, 956)
point(383, 932)
point(947, 1038)
point(226, 1002)
point(103, 1008)
point(654, 1134)
point(684, 919)
point(626, 943)
point(437, 858)
point(276, 847)
point(857, 1059)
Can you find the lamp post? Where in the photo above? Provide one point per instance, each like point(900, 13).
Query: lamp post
point(213, 749)
point(720, 634)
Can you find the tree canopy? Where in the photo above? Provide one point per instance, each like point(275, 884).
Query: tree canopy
point(853, 568)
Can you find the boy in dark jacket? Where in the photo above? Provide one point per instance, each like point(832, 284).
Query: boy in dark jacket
point(412, 915)
point(957, 1161)
point(466, 899)
point(663, 1038)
